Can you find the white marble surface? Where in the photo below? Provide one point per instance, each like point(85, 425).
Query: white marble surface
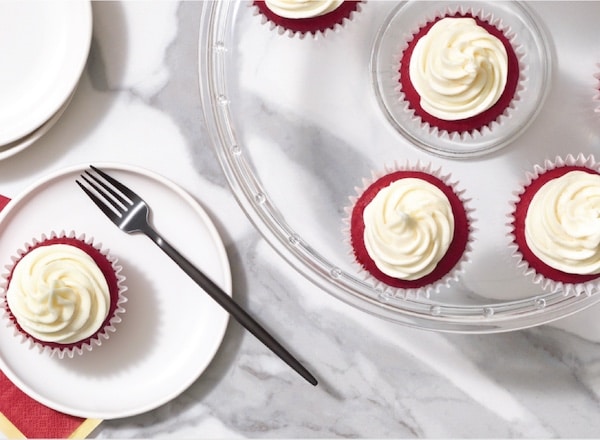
point(138, 103)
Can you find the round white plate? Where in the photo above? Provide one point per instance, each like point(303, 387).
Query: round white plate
point(44, 47)
point(171, 329)
point(13, 148)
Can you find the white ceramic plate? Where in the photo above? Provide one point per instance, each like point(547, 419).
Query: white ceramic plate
point(44, 47)
point(13, 148)
point(171, 329)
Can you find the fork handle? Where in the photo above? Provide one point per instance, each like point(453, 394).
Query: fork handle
point(234, 309)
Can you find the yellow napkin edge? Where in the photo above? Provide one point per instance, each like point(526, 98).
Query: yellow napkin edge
point(85, 428)
point(82, 431)
point(8, 429)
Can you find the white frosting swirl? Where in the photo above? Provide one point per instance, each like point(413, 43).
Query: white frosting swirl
point(458, 68)
point(58, 294)
point(302, 8)
point(409, 226)
point(562, 227)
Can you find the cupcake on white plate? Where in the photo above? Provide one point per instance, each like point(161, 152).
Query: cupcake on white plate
point(63, 294)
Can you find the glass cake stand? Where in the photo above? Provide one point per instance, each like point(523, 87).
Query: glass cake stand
point(297, 124)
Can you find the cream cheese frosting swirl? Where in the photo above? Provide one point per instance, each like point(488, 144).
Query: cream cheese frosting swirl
point(562, 227)
point(58, 294)
point(302, 8)
point(458, 69)
point(409, 226)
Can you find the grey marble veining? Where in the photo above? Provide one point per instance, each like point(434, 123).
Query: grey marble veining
point(139, 102)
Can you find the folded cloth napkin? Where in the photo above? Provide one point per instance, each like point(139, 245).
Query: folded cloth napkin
point(23, 417)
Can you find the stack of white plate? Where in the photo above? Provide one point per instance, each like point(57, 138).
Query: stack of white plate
point(44, 46)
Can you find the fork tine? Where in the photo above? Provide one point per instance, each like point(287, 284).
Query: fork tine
point(126, 191)
point(99, 203)
point(102, 188)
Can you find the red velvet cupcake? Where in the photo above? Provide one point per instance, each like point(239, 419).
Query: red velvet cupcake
point(454, 82)
point(555, 227)
point(308, 17)
point(63, 294)
point(410, 229)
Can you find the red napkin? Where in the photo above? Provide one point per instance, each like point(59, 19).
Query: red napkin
point(23, 417)
point(3, 201)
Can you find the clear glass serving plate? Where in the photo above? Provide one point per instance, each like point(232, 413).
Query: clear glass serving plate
point(297, 124)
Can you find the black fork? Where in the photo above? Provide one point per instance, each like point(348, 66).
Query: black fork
point(130, 213)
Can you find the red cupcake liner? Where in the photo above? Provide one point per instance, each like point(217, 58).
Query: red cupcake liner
point(111, 270)
point(313, 26)
point(449, 267)
point(491, 116)
point(549, 278)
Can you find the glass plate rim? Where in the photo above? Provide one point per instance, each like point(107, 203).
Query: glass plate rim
point(216, 27)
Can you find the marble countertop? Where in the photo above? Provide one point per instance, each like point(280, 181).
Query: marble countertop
point(138, 102)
